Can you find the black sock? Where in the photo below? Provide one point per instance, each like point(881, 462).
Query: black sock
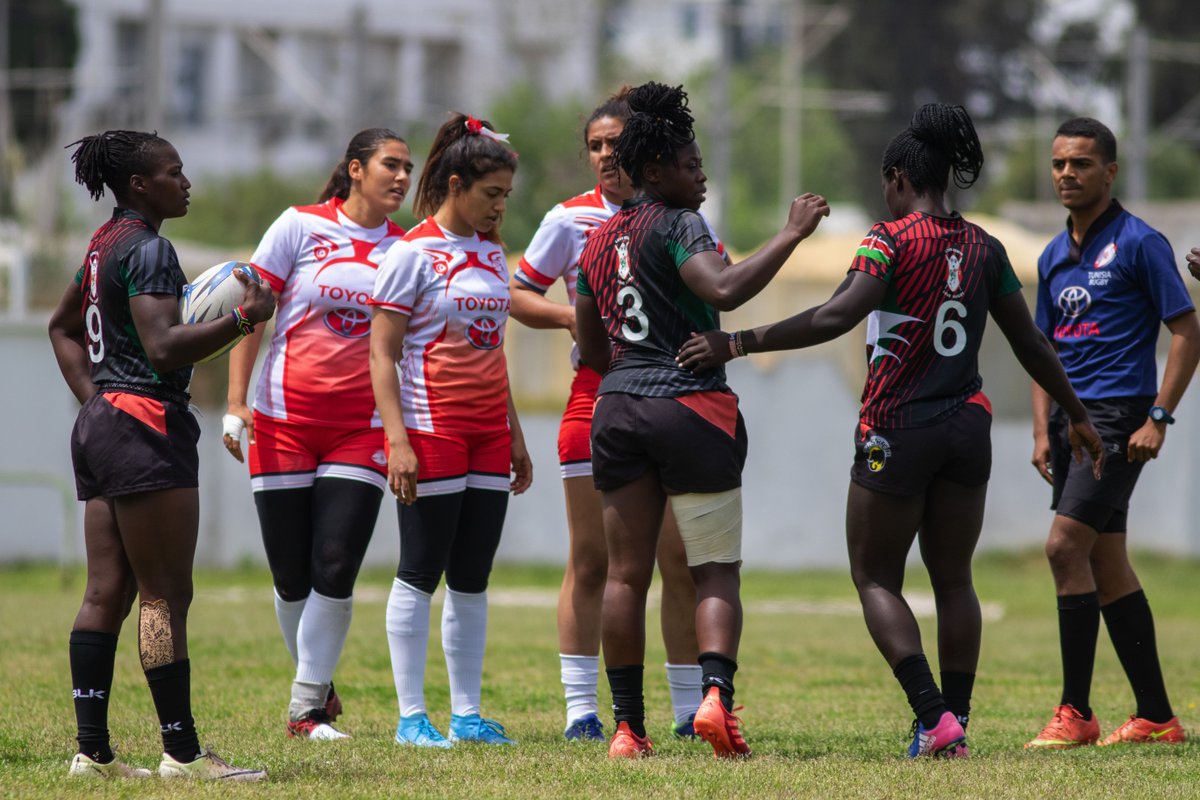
point(171, 688)
point(629, 704)
point(92, 654)
point(956, 690)
point(717, 670)
point(1078, 628)
point(1131, 628)
point(917, 681)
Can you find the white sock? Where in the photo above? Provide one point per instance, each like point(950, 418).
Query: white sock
point(321, 637)
point(408, 639)
point(464, 637)
point(288, 613)
point(684, 682)
point(579, 677)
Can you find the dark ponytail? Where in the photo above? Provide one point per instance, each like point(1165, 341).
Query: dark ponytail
point(659, 125)
point(111, 158)
point(458, 150)
point(939, 140)
point(361, 148)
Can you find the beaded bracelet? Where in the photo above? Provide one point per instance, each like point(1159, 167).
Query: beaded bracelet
point(736, 348)
point(242, 321)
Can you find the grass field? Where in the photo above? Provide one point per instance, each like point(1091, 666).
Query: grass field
point(823, 713)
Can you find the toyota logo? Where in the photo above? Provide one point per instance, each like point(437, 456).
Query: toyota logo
point(484, 333)
point(353, 323)
point(1074, 300)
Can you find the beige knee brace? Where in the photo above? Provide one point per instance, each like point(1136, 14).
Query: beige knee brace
point(710, 526)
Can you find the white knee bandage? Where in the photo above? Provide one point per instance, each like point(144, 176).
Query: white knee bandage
point(710, 526)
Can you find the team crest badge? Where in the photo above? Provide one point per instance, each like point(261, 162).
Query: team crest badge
point(1106, 256)
point(877, 450)
point(323, 248)
point(624, 270)
point(953, 272)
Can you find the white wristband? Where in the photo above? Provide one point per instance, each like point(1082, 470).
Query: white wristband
point(232, 425)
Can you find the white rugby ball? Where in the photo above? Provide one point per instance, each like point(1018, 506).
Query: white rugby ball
point(213, 295)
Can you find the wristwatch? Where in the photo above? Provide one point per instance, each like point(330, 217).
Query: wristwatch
point(1160, 414)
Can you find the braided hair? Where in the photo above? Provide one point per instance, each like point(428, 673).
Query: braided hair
point(361, 148)
point(616, 106)
point(111, 158)
point(939, 139)
point(659, 125)
point(458, 151)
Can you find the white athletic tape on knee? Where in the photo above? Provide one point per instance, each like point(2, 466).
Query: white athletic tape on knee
point(232, 425)
point(710, 526)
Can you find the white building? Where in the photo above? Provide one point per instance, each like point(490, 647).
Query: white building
point(243, 84)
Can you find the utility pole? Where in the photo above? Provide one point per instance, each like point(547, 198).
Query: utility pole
point(154, 80)
point(1137, 111)
point(721, 129)
point(6, 193)
point(791, 80)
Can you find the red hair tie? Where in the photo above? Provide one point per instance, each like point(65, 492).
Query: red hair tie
point(477, 128)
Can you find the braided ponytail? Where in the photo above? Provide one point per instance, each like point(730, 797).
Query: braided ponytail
point(111, 158)
point(939, 140)
point(659, 125)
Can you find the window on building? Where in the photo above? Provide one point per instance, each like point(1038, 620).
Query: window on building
point(188, 96)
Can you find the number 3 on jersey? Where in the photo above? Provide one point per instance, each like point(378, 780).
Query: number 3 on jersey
point(632, 312)
point(943, 326)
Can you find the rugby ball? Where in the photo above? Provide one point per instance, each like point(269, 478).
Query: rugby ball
point(213, 295)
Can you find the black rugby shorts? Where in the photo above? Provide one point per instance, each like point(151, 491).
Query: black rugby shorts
point(1100, 504)
point(904, 461)
point(696, 443)
point(125, 443)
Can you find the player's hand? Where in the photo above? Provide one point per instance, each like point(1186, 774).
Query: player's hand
point(1193, 262)
point(1146, 441)
point(704, 351)
point(402, 473)
point(805, 214)
point(258, 302)
point(1082, 436)
point(237, 418)
point(522, 465)
point(1041, 458)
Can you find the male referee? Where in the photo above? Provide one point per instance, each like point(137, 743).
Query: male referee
point(1103, 285)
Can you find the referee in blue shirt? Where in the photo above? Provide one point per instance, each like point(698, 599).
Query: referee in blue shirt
point(1103, 286)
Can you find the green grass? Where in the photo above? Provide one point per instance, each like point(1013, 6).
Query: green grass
point(823, 714)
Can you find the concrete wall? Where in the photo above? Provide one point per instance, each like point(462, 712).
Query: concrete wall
point(801, 414)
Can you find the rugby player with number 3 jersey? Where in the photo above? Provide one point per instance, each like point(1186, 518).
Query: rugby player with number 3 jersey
point(649, 276)
point(553, 254)
point(925, 282)
point(1104, 286)
point(440, 309)
point(315, 440)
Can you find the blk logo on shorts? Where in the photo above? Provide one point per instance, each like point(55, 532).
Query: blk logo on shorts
point(88, 694)
point(878, 450)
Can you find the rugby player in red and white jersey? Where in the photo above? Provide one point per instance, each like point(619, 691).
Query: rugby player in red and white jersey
point(440, 307)
point(553, 254)
point(317, 464)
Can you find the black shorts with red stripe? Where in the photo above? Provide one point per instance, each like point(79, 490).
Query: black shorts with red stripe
point(696, 442)
point(124, 443)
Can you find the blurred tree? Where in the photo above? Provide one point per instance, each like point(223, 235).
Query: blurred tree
point(235, 211)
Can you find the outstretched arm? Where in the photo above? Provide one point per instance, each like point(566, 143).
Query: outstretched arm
point(725, 287)
point(858, 295)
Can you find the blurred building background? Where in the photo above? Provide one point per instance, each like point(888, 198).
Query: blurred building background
point(260, 97)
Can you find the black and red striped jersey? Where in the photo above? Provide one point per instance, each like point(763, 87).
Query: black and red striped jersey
point(126, 258)
point(630, 265)
point(942, 275)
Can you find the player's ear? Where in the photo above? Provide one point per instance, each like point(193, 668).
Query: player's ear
point(137, 184)
point(652, 173)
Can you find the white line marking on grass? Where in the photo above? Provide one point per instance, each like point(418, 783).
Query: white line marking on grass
point(922, 604)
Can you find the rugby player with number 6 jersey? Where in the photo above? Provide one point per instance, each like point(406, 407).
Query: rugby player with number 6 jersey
point(1104, 286)
point(317, 466)
point(926, 283)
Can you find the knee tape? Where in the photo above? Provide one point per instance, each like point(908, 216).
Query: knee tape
point(156, 646)
point(710, 526)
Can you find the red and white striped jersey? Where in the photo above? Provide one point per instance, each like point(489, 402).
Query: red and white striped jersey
point(454, 290)
point(322, 266)
point(554, 251)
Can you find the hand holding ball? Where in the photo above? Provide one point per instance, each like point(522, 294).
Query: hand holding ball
point(219, 291)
